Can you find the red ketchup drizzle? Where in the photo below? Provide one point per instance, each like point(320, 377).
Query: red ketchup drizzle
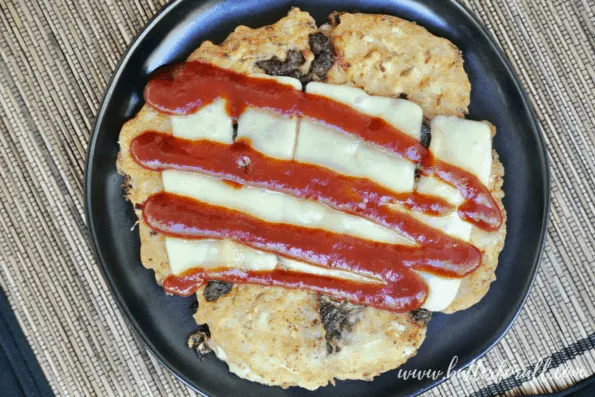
point(396, 296)
point(188, 87)
point(184, 217)
point(193, 85)
point(479, 207)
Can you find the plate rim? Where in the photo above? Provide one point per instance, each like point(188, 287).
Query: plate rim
point(541, 151)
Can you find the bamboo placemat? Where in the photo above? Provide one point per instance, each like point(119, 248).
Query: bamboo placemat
point(56, 57)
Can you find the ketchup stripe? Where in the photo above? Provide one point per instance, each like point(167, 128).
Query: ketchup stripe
point(193, 85)
point(395, 296)
point(479, 207)
point(181, 216)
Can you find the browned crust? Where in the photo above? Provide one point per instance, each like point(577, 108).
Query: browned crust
point(140, 183)
point(389, 56)
point(237, 52)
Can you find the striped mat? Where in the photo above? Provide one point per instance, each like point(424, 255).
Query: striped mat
point(56, 57)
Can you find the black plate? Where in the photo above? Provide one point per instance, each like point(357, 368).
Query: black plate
point(165, 322)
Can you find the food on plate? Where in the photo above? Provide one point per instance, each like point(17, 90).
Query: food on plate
point(320, 194)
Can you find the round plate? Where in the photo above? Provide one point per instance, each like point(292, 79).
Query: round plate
point(164, 322)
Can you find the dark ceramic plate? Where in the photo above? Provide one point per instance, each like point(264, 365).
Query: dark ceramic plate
point(165, 322)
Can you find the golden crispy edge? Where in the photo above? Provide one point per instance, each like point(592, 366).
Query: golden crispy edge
point(389, 56)
point(237, 52)
point(140, 183)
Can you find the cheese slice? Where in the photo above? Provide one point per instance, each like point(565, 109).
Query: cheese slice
point(464, 143)
point(275, 207)
point(402, 114)
point(301, 267)
point(441, 291)
point(435, 187)
point(268, 132)
point(326, 147)
point(211, 122)
point(322, 145)
point(210, 254)
point(450, 224)
point(213, 254)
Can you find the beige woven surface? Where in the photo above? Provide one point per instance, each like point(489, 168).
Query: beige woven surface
point(56, 57)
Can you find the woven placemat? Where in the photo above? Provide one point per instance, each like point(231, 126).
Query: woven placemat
point(56, 57)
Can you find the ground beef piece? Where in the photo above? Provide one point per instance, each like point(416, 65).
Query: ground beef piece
point(337, 318)
point(216, 289)
point(197, 341)
point(324, 56)
point(426, 136)
point(288, 67)
point(421, 316)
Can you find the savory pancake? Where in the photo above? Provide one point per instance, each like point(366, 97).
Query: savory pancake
point(289, 337)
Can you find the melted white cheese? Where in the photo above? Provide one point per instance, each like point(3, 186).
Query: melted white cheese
point(301, 267)
point(450, 224)
point(217, 254)
point(209, 123)
point(464, 143)
point(268, 132)
point(275, 207)
point(435, 187)
point(320, 145)
point(211, 254)
point(327, 147)
point(441, 291)
point(402, 114)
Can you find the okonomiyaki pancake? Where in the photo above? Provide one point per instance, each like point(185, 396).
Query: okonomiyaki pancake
point(292, 336)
